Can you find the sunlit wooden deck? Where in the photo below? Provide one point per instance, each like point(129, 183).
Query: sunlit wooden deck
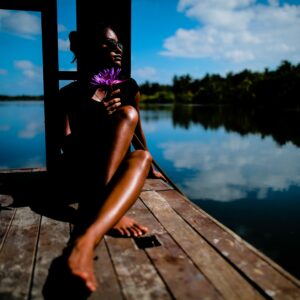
point(187, 254)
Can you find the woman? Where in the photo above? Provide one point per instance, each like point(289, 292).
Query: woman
point(100, 124)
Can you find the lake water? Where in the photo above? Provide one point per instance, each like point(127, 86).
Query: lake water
point(22, 134)
point(241, 167)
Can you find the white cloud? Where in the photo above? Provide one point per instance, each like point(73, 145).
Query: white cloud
point(239, 31)
point(24, 24)
point(23, 64)
point(149, 127)
point(3, 72)
point(63, 45)
point(146, 73)
point(31, 79)
point(61, 28)
point(29, 70)
point(227, 168)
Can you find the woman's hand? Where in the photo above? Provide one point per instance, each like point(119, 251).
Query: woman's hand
point(112, 102)
point(156, 174)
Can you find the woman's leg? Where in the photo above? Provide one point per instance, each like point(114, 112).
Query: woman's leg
point(124, 190)
point(123, 177)
point(114, 145)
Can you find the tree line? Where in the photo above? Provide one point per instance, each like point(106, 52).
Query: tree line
point(272, 89)
point(21, 97)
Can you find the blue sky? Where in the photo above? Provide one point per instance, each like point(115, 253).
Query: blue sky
point(168, 37)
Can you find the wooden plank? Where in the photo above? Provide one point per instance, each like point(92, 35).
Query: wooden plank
point(226, 280)
point(156, 185)
point(6, 216)
point(108, 285)
point(18, 255)
point(53, 239)
point(137, 276)
point(259, 270)
point(182, 277)
point(23, 170)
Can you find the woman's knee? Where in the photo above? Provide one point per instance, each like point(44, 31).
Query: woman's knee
point(144, 156)
point(129, 114)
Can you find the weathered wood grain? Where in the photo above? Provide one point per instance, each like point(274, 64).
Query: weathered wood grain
point(227, 281)
point(259, 270)
point(53, 239)
point(199, 258)
point(183, 278)
point(22, 170)
point(6, 216)
point(18, 255)
point(156, 185)
point(137, 276)
point(108, 285)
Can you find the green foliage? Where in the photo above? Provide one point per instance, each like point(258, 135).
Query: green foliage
point(158, 97)
point(156, 93)
point(278, 88)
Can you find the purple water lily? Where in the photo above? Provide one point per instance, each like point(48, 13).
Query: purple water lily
point(106, 78)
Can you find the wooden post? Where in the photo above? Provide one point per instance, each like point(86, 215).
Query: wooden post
point(51, 85)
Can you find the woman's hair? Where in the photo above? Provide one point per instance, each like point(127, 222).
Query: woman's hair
point(73, 38)
point(94, 40)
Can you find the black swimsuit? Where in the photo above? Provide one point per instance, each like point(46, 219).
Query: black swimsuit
point(90, 123)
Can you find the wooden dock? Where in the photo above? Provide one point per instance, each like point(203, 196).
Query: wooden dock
point(186, 255)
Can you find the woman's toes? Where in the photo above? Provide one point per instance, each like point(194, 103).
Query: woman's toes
point(141, 229)
point(91, 285)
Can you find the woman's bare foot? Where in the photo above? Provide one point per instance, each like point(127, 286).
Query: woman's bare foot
point(128, 227)
point(81, 262)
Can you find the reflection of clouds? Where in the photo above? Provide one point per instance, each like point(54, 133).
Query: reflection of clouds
point(35, 162)
point(149, 127)
point(155, 115)
point(31, 130)
point(230, 167)
point(4, 127)
point(3, 72)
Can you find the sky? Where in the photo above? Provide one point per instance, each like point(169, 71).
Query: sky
point(169, 37)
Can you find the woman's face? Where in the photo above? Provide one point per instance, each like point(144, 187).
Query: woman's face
point(112, 49)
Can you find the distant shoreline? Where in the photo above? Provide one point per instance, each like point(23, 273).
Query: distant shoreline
point(21, 97)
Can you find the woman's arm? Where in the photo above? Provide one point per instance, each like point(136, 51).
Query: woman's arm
point(67, 129)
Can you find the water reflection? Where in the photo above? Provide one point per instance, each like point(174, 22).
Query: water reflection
point(227, 167)
point(227, 153)
point(22, 137)
point(282, 125)
point(242, 167)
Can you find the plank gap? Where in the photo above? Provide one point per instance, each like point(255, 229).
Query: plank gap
point(259, 271)
point(34, 258)
point(7, 229)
